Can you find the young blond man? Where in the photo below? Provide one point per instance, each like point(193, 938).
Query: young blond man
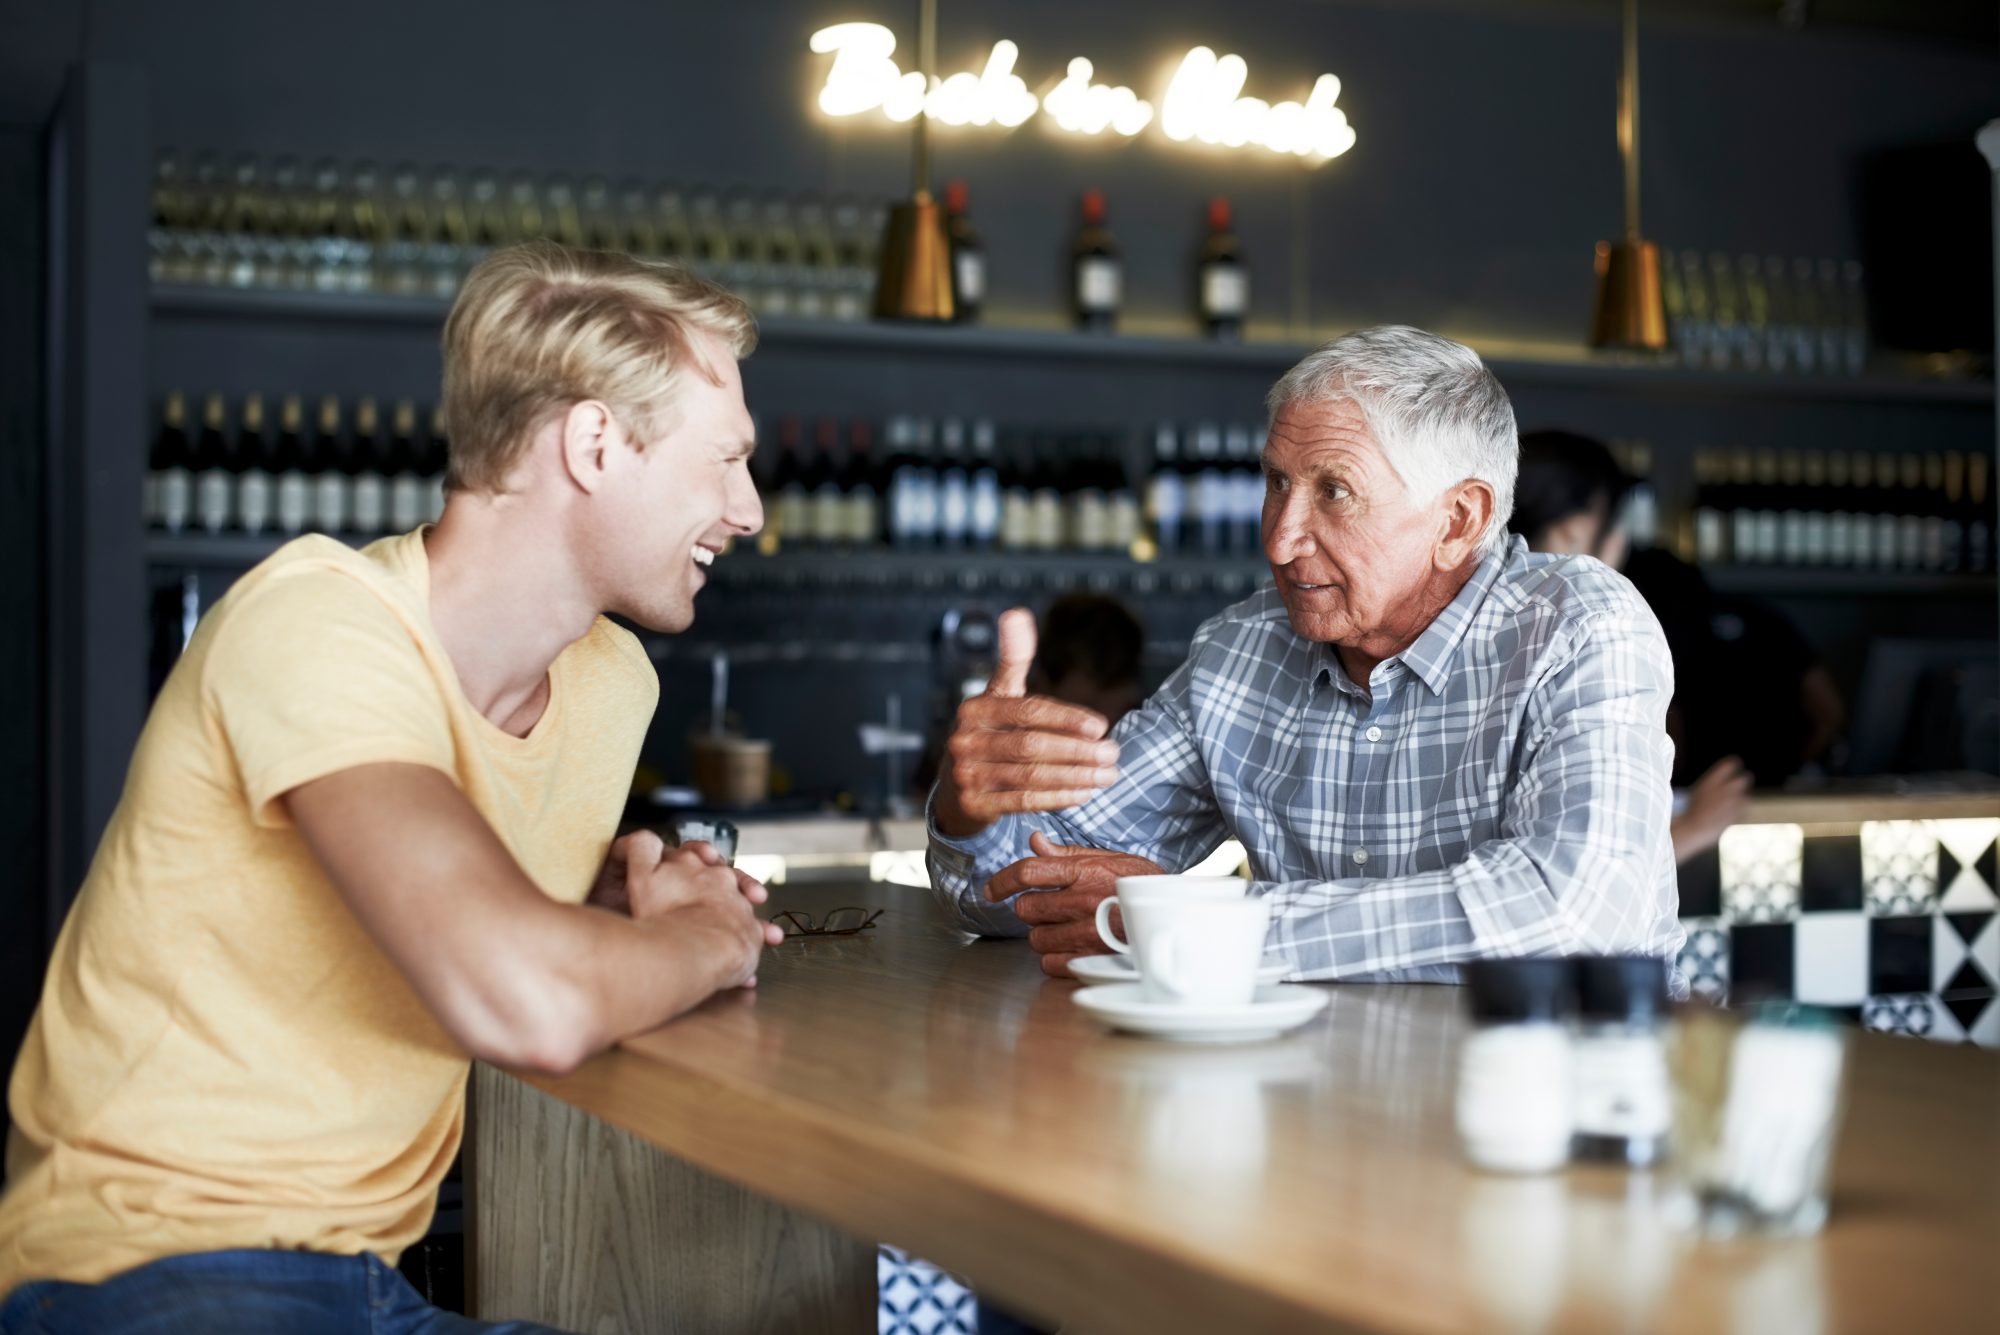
point(367, 835)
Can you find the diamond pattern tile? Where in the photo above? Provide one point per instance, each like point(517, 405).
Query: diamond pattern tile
point(1899, 867)
point(1761, 873)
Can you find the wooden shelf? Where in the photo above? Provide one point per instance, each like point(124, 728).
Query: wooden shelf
point(1813, 582)
point(1558, 367)
point(881, 569)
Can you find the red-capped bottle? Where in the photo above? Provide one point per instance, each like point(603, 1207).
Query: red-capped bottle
point(968, 255)
point(1222, 279)
point(1097, 275)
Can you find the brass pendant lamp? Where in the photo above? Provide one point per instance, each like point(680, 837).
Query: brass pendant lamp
point(913, 280)
point(1631, 311)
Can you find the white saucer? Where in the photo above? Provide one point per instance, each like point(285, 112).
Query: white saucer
point(1095, 969)
point(1274, 1010)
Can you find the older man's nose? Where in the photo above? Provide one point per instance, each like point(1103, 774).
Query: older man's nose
point(1287, 537)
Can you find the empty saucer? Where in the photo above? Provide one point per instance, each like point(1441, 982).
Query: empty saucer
point(1272, 1011)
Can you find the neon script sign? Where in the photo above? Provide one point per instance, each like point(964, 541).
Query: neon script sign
point(1204, 101)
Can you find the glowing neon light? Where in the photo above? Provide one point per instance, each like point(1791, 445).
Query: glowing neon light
point(1083, 107)
point(1204, 101)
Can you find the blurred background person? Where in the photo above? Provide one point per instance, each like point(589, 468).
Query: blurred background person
point(1089, 655)
point(1752, 705)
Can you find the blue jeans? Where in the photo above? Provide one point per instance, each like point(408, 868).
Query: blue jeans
point(241, 1293)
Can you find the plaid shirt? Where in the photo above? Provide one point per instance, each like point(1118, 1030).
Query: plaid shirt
point(1499, 788)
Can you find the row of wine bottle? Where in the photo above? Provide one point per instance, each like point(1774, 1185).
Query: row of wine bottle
point(973, 484)
point(247, 477)
point(355, 228)
point(1928, 512)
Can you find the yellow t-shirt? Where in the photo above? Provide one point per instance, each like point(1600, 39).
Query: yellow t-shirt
point(222, 1057)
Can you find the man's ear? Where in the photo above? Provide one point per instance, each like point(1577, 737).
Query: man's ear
point(589, 432)
point(1468, 512)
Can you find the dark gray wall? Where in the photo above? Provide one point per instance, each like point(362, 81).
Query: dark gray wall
point(24, 907)
point(1484, 172)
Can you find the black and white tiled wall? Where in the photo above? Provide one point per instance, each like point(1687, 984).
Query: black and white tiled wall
point(914, 1297)
point(1897, 926)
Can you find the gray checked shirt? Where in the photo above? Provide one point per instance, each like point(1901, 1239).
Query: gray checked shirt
point(1499, 788)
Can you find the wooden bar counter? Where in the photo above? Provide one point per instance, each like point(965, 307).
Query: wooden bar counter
point(732, 1171)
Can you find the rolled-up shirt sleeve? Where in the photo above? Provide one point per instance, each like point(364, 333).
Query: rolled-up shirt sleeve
point(1577, 864)
point(1161, 808)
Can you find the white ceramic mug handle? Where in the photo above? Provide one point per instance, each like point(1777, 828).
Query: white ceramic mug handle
point(1104, 908)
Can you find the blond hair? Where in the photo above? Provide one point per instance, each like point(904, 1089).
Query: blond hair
point(540, 326)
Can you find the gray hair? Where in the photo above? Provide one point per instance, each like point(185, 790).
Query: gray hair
point(1440, 416)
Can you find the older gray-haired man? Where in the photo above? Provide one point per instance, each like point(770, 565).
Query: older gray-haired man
point(1434, 745)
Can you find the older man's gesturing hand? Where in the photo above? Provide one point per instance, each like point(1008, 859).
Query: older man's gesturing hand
point(1011, 751)
point(1063, 886)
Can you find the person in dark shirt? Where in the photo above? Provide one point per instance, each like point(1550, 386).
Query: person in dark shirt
point(1751, 703)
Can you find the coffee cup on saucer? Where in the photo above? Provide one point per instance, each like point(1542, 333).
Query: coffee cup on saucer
point(1197, 940)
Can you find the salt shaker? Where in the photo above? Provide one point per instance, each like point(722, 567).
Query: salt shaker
point(1514, 1074)
point(1624, 1104)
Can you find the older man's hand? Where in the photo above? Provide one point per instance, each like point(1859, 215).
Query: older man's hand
point(1064, 884)
point(1012, 752)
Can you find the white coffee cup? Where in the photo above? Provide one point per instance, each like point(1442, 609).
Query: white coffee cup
point(1197, 940)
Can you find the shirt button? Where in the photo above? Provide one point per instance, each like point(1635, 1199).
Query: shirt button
point(1374, 734)
point(1360, 856)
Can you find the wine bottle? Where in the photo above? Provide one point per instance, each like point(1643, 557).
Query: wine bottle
point(823, 483)
point(1211, 495)
point(1246, 489)
point(256, 464)
point(793, 510)
point(406, 486)
point(1097, 276)
point(954, 486)
point(1221, 277)
point(1791, 509)
point(863, 487)
point(1126, 521)
point(968, 255)
point(292, 485)
point(1089, 518)
point(436, 465)
point(324, 465)
point(1166, 498)
point(1017, 490)
point(214, 485)
point(367, 465)
point(1045, 505)
point(985, 470)
point(169, 495)
point(1978, 524)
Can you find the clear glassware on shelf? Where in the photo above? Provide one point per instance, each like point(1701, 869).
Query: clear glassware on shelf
point(1778, 335)
point(1805, 316)
point(323, 248)
point(817, 260)
point(639, 236)
point(1699, 334)
point(524, 210)
point(711, 254)
point(784, 257)
point(241, 222)
point(171, 253)
point(597, 218)
point(400, 261)
point(287, 246)
point(671, 225)
point(854, 283)
point(1755, 324)
point(1854, 317)
point(1831, 325)
point(362, 227)
point(564, 218)
point(746, 272)
point(485, 215)
point(1724, 348)
point(449, 236)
